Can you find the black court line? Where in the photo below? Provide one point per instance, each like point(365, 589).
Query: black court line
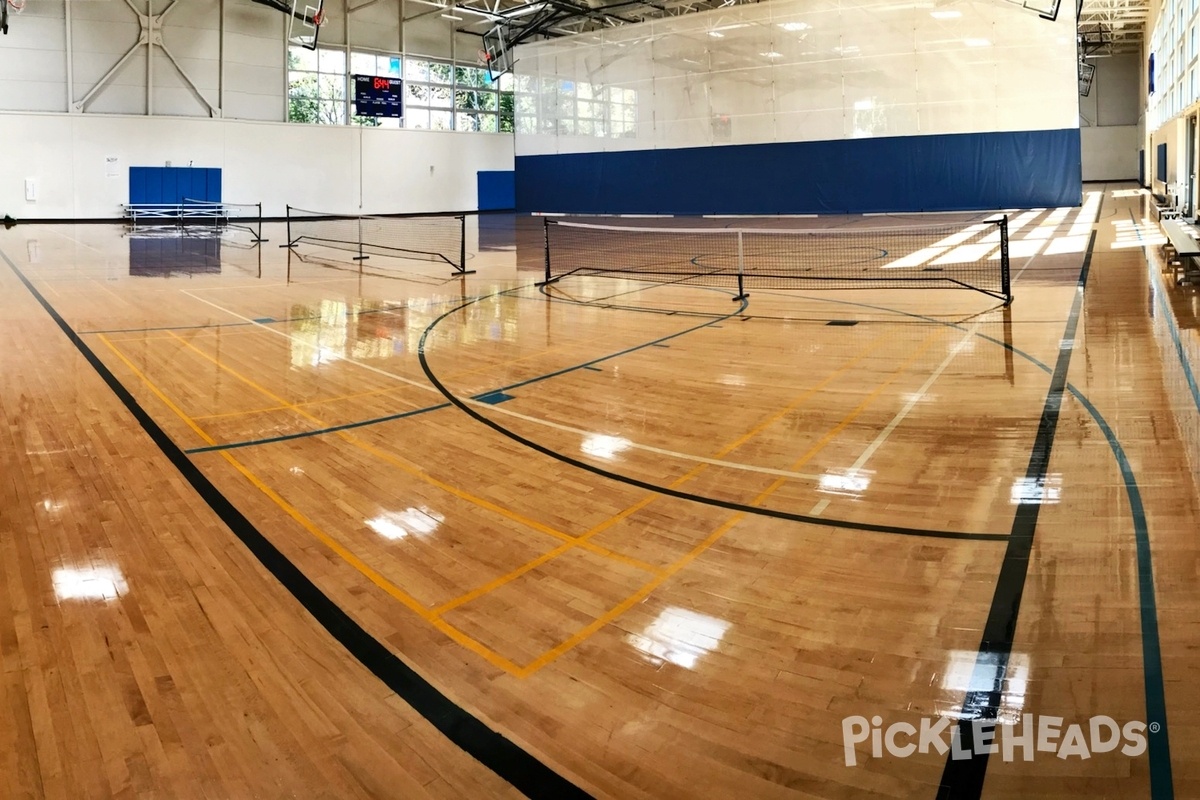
point(287, 437)
point(528, 775)
point(666, 490)
point(1161, 780)
point(963, 778)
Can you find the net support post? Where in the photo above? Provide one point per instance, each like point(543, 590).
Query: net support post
point(360, 257)
point(741, 269)
point(546, 251)
point(1005, 271)
point(462, 248)
point(288, 217)
point(258, 237)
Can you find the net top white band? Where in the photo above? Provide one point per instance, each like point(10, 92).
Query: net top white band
point(942, 229)
point(334, 216)
point(219, 203)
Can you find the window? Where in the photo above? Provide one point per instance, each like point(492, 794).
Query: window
point(428, 95)
point(438, 95)
point(572, 108)
point(442, 96)
point(316, 86)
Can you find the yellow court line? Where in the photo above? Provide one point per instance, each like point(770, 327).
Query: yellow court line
point(420, 474)
point(356, 395)
point(345, 554)
point(627, 603)
point(319, 401)
point(600, 527)
point(130, 336)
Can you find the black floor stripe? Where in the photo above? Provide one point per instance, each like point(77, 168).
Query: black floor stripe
point(506, 759)
point(962, 778)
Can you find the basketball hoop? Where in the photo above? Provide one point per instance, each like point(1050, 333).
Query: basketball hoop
point(18, 5)
point(305, 21)
point(494, 54)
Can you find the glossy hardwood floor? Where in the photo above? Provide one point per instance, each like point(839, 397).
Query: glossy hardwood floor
point(664, 543)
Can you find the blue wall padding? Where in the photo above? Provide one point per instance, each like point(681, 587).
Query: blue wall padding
point(943, 172)
point(171, 185)
point(496, 190)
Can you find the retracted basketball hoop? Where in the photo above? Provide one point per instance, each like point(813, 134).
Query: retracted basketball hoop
point(494, 53)
point(304, 24)
point(16, 5)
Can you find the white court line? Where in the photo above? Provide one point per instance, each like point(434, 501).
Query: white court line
point(866, 454)
point(891, 426)
point(76, 240)
point(269, 285)
point(517, 415)
point(928, 213)
point(626, 216)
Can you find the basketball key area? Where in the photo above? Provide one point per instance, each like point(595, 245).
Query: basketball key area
point(697, 532)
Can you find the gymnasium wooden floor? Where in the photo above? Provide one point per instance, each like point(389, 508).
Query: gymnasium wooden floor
point(312, 534)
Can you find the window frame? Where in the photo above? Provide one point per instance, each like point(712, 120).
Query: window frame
point(439, 94)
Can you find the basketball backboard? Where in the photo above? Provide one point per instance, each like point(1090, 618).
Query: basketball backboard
point(1086, 73)
point(304, 23)
point(1046, 9)
point(494, 54)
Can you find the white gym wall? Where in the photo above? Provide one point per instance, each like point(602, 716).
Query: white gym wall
point(1108, 120)
point(769, 77)
point(799, 70)
point(234, 53)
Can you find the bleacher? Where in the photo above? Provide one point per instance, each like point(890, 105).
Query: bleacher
point(180, 196)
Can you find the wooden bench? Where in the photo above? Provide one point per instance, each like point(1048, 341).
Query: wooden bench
point(1181, 249)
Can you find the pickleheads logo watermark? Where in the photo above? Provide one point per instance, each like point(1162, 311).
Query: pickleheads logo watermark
point(1033, 734)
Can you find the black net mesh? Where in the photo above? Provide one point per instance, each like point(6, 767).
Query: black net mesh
point(973, 256)
point(424, 238)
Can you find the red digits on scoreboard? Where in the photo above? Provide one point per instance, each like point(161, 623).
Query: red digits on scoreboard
point(382, 83)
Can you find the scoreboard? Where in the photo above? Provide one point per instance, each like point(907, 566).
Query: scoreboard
point(378, 97)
